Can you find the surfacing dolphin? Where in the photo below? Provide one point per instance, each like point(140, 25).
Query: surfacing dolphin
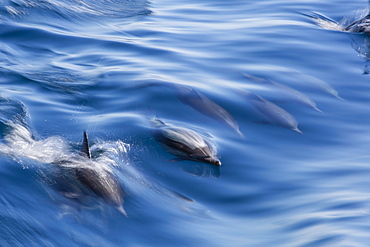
point(184, 143)
point(101, 182)
point(361, 25)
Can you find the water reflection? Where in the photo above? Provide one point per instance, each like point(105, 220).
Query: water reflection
point(202, 170)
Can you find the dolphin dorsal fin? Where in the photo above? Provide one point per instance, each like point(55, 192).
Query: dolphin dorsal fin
point(85, 146)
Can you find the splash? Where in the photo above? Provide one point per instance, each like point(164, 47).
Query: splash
point(20, 143)
point(325, 22)
point(330, 24)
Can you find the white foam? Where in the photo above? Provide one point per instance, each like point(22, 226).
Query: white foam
point(19, 143)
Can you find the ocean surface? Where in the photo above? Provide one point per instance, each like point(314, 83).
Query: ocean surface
point(285, 98)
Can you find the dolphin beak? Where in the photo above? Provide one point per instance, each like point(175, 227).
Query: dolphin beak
point(122, 210)
point(213, 161)
point(297, 130)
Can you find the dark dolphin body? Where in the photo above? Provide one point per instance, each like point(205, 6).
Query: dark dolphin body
point(185, 143)
point(104, 185)
point(360, 26)
point(101, 182)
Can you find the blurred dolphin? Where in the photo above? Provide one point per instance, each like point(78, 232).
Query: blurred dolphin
point(99, 181)
point(204, 105)
point(269, 112)
point(310, 82)
point(103, 183)
point(285, 92)
point(184, 143)
point(200, 103)
point(293, 78)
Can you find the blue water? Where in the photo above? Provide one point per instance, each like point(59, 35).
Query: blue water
point(105, 66)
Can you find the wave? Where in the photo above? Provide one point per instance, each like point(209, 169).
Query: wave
point(77, 8)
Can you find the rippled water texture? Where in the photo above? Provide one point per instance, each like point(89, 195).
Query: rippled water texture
point(279, 87)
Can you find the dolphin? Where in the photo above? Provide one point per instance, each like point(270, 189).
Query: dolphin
point(184, 143)
point(101, 182)
point(200, 103)
point(358, 26)
point(285, 92)
point(269, 112)
point(206, 106)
